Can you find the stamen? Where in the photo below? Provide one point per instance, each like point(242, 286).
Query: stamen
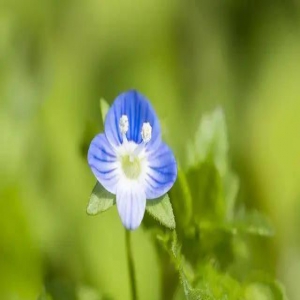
point(146, 132)
point(124, 125)
point(146, 137)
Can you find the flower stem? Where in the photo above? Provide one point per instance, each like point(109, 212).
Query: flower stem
point(130, 265)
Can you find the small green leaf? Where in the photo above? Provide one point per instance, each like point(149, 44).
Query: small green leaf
point(161, 210)
point(100, 200)
point(104, 107)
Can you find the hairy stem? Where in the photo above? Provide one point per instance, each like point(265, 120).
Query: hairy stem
point(130, 265)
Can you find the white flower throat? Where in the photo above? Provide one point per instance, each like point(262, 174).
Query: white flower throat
point(131, 155)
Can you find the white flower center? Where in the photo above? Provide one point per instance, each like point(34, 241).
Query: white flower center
point(131, 155)
point(131, 166)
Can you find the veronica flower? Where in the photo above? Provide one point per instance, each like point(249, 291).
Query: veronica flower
point(129, 159)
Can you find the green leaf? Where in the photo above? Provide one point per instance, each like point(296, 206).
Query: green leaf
point(181, 200)
point(218, 285)
point(161, 210)
point(104, 107)
point(211, 141)
point(88, 293)
point(100, 200)
point(262, 286)
point(207, 192)
point(44, 296)
point(265, 291)
point(186, 275)
point(231, 188)
point(214, 186)
point(258, 291)
point(253, 223)
point(61, 289)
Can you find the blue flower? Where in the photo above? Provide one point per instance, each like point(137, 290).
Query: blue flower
point(129, 159)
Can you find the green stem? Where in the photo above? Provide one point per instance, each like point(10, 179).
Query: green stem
point(130, 265)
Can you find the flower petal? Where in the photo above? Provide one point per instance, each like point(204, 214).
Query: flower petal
point(138, 110)
point(161, 172)
point(103, 162)
point(131, 203)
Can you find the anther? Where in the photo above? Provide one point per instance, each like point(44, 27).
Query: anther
point(146, 132)
point(124, 125)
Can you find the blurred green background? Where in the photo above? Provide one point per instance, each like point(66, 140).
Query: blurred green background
point(57, 58)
